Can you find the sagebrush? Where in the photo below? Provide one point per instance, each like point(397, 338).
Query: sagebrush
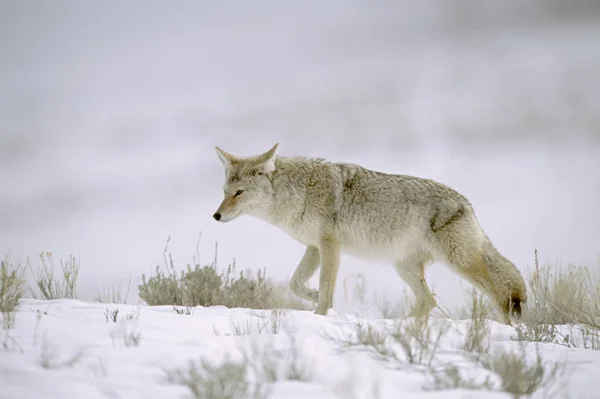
point(563, 306)
point(12, 289)
point(205, 285)
point(51, 287)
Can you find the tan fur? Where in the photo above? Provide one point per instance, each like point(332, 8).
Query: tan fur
point(336, 208)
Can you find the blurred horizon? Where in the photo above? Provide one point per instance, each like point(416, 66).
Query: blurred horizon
point(109, 114)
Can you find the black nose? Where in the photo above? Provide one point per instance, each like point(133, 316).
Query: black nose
point(217, 216)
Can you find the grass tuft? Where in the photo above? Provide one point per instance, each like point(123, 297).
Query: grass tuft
point(205, 286)
point(520, 375)
point(12, 289)
point(407, 344)
point(227, 380)
point(563, 306)
point(252, 376)
point(49, 286)
point(114, 294)
point(477, 340)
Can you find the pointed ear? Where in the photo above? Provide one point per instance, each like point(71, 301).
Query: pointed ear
point(267, 160)
point(226, 158)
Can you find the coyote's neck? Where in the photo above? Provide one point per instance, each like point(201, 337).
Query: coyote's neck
point(290, 182)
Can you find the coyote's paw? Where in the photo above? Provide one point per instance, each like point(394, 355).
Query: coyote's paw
point(322, 310)
point(304, 292)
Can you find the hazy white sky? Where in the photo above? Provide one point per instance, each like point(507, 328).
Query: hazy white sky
point(109, 114)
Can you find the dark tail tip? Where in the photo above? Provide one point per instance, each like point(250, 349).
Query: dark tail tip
point(515, 306)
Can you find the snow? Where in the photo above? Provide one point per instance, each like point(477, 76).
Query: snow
point(108, 368)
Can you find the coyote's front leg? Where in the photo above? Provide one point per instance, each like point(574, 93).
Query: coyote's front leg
point(305, 270)
point(330, 250)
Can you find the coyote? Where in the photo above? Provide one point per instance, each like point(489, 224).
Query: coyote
point(335, 208)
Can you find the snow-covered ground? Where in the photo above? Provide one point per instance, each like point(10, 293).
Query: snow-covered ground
point(86, 356)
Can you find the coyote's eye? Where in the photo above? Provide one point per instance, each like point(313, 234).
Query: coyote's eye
point(238, 192)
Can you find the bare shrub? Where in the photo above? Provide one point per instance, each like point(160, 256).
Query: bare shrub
point(111, 315)
point(537, 332)
point(205, 286)
point(509, 371)
point(562, 296)
point(271, 320)
point(227, 380)
point(270, 364)
point(411, 343)
point(276, 318)
point(245, 290)
point(184, 310)
point(477, 340)
point(12, 289)
point(266, 322)
point(522, 376)
point(572, 336)
point(50, 357)
point(126, 334)
point(450, 377)
point(582, 336)
point(260, 365)
point(49, 286)
point(195, 286)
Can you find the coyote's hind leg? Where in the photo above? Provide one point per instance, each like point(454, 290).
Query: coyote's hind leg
point(412, 271)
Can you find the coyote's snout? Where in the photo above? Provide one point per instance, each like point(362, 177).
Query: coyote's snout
point(336, 208)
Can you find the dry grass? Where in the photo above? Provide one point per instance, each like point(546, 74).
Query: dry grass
point(520, 375)
point(184, 310)
point(451, 376)
point(260, 322)
point(113, 315)
point(227, 380)
point(126, 333)
point(52, 287)
point(512, 371)
point(563, 295)
point(414, 344)
point(12, 289)
point(563, 306)
point(260, 366)
point(477, 340)
point(406, 344)
point(206, 286)
point(272, 365)
point(114, 294)
point(51, 358)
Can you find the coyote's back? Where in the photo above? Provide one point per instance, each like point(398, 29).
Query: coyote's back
point(338, 207)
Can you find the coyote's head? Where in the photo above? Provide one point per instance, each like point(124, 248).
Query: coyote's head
point(247, 188)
